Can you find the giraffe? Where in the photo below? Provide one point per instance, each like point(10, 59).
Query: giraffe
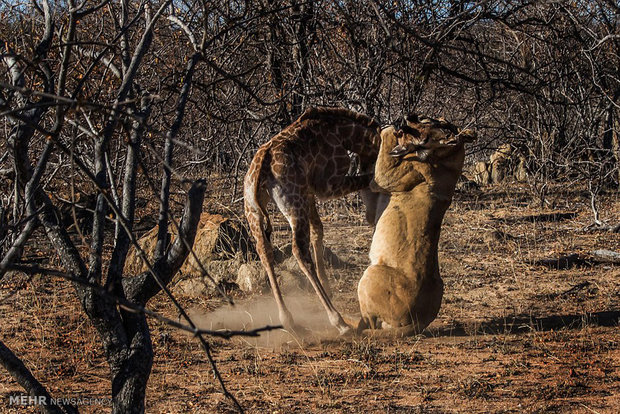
point(307, 160)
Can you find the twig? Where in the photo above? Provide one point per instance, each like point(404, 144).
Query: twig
point(588, 408)
point(136, 308)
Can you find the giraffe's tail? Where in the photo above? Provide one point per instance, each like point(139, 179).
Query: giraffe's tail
point(255, 208)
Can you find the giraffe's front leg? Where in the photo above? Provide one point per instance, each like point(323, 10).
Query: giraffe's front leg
point(341, 185)
point(316, 238)
point(301, 251)
point(295, 207)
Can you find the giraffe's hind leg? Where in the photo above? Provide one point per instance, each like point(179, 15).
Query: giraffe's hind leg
point(260, 227)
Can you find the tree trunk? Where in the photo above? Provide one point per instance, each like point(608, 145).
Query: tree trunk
point(303, 18)
point(275, 65)
point(131, 367)
point(616, 147)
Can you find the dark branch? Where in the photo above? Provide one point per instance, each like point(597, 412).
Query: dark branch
point(33, 387)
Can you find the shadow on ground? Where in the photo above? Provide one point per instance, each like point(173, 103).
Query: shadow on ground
point(526, 323)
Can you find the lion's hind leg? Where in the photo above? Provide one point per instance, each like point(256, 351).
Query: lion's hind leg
point(384, 297)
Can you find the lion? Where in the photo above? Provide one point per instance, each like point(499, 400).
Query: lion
point(416, 172)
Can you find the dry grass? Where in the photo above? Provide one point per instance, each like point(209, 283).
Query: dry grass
point(510, 337)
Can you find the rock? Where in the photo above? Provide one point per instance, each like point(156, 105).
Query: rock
point(223, 237)
point(194, 287)
point(465, 184)
point(223, 273)
point(332, 260)
point(280, 254)
point(289, 275)
point(290, 264)
point(502, 153)
point(252, 278)
point(498, 172)
point(134, 264)
point(218, 238)
point(292, 281)
point(481, 173)
point(521, 171)
point(222, 269)
point(499, 163)
point(284, 253)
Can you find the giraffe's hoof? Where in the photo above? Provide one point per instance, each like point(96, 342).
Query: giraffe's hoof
point(336, 320)
point(346, 331)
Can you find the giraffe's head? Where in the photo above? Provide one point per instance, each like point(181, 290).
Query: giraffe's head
point(426, 139)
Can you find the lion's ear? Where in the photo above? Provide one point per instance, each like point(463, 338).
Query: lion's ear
point(468, 135)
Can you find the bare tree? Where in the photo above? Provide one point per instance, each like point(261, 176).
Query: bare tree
point(106, 101)
point(56, 103)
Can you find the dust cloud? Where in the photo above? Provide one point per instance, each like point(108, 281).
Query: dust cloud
point(260, 311)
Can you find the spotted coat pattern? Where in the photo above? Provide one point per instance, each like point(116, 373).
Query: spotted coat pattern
point(308, 160)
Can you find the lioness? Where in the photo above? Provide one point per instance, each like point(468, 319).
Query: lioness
point(416, 172)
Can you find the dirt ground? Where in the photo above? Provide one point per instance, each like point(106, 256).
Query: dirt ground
point(511, 336)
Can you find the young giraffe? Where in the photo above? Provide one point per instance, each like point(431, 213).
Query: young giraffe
point(309, 159)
